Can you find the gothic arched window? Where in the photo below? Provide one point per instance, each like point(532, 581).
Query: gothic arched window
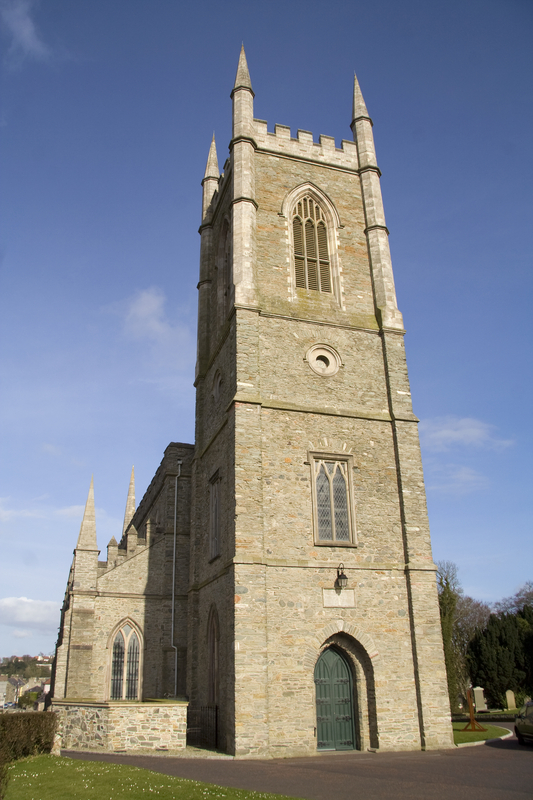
point(312, 266)
point(125, 665)
point(332, 492)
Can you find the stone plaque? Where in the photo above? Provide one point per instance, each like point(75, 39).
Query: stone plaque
point(338, 598)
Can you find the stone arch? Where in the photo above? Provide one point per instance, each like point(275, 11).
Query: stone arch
point(136, 629)
point(359, 650)
point(333, 223)
point(321, 197)
point(339, 626)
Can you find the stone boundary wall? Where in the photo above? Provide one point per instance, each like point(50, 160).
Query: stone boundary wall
point(116, 727)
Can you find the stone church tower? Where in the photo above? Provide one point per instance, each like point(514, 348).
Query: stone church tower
point(307, 457)
point(291, 585)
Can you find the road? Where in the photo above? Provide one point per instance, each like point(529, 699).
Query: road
point(499, 770)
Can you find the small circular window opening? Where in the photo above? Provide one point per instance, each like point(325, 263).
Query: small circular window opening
point(323, 360)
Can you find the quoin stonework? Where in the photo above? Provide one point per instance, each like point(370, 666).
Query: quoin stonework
point(276, 580)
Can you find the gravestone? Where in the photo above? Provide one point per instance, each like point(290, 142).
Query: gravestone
point(479, 699)
point(510, 699)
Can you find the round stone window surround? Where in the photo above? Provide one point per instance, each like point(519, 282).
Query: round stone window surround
point(323, 360)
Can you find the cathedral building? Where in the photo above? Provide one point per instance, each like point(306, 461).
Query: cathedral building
point(276, 581)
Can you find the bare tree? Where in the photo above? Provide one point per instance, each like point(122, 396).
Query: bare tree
point(510, 605)
point(471, 616)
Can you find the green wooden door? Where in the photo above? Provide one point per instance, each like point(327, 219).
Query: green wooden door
point(334, 703)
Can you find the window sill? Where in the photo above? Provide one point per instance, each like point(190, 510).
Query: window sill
point(334, 544)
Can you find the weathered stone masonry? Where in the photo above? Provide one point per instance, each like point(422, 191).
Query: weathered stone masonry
point(241, 568)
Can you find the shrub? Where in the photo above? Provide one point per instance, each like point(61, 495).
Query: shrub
point(3, 771)
point(26, 734)
point(27, 699)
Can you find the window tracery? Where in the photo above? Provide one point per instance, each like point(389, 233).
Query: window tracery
point(312, 265)
point(333, 513)
point(125, 665)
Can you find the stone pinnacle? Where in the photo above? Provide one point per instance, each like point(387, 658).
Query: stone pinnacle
point(242, 79)
point(358, 107)
point(130, 503)
point(87, 537)
point(211, 170)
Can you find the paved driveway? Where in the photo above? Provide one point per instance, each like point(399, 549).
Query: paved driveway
point(501, 770)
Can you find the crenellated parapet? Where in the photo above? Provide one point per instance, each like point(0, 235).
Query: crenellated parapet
point(303, 146)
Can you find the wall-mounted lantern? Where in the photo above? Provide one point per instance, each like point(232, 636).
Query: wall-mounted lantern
point(341, 581)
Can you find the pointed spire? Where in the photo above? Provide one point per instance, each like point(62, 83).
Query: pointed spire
point(211, 170)
point(112, 542)
point(242, 79)
point(87, 537)
point(130, 503)
point(358, 108)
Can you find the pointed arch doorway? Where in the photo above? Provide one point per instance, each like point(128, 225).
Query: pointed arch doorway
point(335, 723)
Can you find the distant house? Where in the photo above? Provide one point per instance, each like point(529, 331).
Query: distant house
point(14, 689)
point(3, 689)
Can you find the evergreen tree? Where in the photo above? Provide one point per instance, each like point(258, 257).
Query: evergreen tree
point(496, 657)
point(525, 622)
point(449, 591)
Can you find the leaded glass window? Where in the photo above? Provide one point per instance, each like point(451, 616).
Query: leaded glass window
point(132, 673)
point(125, 665)
point(333, 512)
point(312, 268)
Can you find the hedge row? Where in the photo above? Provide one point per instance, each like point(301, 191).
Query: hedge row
point(26, 734)
point(3, 773)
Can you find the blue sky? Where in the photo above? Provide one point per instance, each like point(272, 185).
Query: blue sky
point(107, 114)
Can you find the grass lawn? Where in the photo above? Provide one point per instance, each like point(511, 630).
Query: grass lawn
point(53, 778)
point(461, 737)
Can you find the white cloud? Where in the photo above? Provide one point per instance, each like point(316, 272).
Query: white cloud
point(145, 316)
point(22, 614)
point(7, 514)
point(442, 433)
point(146, 319)
point(454, 479)
point(167, 347)
point(76, 512)
point(25, 40)
point(21, 634)
point(51, 449)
